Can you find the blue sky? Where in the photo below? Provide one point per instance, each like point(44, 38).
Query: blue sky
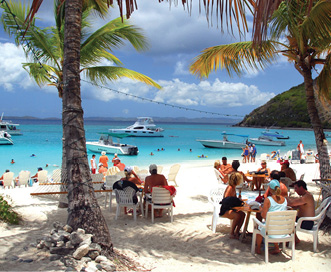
point(175, 38)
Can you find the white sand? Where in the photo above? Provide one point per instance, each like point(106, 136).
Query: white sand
point(187, 244)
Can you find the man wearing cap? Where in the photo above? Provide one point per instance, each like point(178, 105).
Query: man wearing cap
point(305, 205)
point(104, 159)
point(102, 169)
point(153, 180)
point(117, 163)
point(130, 175)
point(35, 177)
point(289, 173)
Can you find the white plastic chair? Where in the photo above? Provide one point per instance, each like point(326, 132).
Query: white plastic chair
point(112, 170)
point(264, 157)
point(173, 174)
point(8, 180)
point(124, 198)
point(320, 213)
point(161, 199)
point(277, 223)
point(97, 177)
point(159, 169)
point(110, 180)
point(56, 176)
point(219, 176)
point(23, 178)
point(42, 176)
point(214, 198)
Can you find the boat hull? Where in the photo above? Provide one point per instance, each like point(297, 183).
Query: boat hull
point(258, 141)
point(137, 133)
point(4, 141)
point(121, 149)
point(221, 144)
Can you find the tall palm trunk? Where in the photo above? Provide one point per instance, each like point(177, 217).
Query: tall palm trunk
point(321, 146)
point(83, 211)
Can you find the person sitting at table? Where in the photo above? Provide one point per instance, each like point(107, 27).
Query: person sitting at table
point(237, 217)
point(153, 180)
point(257, 181)
point(217, 166)
point(289, 173)
point(226, 169)
point(130, 175)
point(272, 203)
point(235, 166)
point(283, 189)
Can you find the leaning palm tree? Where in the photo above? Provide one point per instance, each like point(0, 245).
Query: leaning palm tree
point(53, 69)
point(307, 35)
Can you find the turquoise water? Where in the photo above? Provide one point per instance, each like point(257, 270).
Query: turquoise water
point(43, 138)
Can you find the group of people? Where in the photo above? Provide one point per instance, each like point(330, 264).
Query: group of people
point(102, 166)
point(249, 153)
point(275, 198)
point(132, 180)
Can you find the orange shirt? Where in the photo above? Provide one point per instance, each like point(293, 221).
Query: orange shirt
point(104, 160)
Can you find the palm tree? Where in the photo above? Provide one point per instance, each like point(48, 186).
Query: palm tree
point(306, 30)
point(50, 46)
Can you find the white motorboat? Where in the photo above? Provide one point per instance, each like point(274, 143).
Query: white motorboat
point(9, 127)
point(107, 144)
point(5, 138)
point(225, 143)
point(275, 134)
point(266, 140)
point(143, 127)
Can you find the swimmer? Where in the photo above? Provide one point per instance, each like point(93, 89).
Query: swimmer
point(46, 164)
point(151, 154)
point(12, 161)
point(33, 155)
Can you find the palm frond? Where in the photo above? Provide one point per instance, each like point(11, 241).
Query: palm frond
point(40, 74)
point(324, 79)
point(236, 57)
point(112, 73)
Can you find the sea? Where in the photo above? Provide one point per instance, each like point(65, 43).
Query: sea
point(41, 145)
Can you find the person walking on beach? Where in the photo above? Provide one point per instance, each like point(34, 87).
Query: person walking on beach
point(253, 154)
point(246, 154)
point(104, 159)
point(300, 149)
point(93, 165)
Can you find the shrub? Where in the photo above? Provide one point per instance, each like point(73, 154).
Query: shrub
point(7, 214)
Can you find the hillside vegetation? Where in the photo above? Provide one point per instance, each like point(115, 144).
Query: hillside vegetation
point(288, 109)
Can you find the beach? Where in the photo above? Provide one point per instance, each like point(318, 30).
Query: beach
point(187, 244)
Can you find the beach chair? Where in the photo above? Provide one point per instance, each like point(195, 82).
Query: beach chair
point(56, 176)
point(142, 174)
point(112, 170)
point(42, 176)
point(219, 176)
point(159, 169)
point(310, 156)
point(320, 213)
point(23, 178)
point(8, 180)
point(97, 177)
point(281, 224)
point(124, 198)
point(110, 180)
point(264, 157)
point(173, 174)
point(161, 199)
point(214, 198)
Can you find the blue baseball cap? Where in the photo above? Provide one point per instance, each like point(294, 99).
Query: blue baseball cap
point(273, 184)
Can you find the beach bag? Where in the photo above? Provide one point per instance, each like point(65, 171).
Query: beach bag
point(229, 202)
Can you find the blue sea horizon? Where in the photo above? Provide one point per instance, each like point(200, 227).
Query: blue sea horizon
point(43, 139)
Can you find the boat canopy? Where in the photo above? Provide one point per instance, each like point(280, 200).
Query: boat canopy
point(232, 134)
point(116, 135)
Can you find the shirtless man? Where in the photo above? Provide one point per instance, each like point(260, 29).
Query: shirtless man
point(285, 167)
point(153, 180)
point(304, 204)
point(226, 169)
point(130, 175)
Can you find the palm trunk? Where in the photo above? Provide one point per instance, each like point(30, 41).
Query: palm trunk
point(316, 123)
point(83, 211)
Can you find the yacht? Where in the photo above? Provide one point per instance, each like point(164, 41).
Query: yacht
point(143, 127)
point(266, 140)
point(275, 134)
point(5, 138)
point(225, 143)
point(107, 144)
point(9, 127)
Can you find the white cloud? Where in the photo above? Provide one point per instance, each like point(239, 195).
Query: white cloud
point(11, 72)
point(181, 68)
point(177, 92)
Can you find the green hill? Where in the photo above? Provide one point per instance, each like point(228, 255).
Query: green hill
point(288, 109)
